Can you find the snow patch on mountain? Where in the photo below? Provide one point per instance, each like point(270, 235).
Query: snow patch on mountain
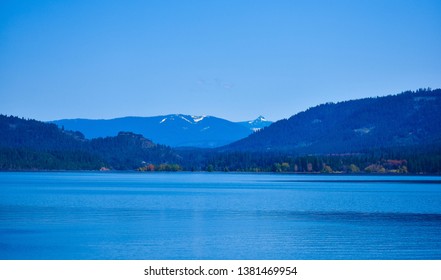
point(185, 119)
point(197, 119)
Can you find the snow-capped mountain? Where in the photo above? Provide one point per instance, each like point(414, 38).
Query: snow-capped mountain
point(176, 130)
point(189, 119)
point(257, 124)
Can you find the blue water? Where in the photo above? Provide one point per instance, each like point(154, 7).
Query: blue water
point(218, 216)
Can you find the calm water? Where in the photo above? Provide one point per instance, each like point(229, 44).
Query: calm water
point(218, 216)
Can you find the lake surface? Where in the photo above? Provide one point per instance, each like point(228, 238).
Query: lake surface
point(218, 216)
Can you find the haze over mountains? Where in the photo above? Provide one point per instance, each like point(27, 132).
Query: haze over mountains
point(175, 130)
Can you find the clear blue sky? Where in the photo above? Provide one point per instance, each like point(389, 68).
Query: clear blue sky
point(232, 59)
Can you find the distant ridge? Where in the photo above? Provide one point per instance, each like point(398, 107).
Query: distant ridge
point(406, 119)
point(176, 130)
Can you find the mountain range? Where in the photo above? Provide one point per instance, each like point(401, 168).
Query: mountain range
point(175, 130)
point(396, 133)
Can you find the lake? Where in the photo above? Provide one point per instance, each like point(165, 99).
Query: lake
point(87, 215)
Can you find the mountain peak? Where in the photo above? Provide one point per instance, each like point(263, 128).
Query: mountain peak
point(256, 124)
point(259, 119)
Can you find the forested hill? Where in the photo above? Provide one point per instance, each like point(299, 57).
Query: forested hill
point(406, 119)
point(30, 144)
point(21, 133)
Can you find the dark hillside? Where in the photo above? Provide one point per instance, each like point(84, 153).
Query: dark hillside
point(406, 119)
point(34, 145)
